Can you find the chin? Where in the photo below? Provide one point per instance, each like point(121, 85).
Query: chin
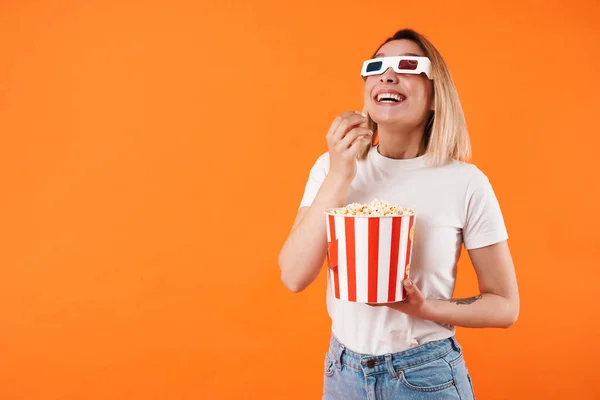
point(393, 118)
point(385, 114)
point(386, 119)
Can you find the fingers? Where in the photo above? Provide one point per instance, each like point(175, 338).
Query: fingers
point(352, 136)
point(359, 144)
point(338, 120)
point(409, 286)
point(357, 147)
point(347, 125)
point(412, 291)
point(347, 136)
point(344, 123)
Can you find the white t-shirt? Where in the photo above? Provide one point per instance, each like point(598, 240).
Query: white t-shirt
point(455, 204)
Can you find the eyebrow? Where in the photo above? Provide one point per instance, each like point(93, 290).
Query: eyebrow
point(405, 54)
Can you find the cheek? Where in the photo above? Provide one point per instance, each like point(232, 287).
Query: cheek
point(429, 92)
point(368, 87)
point(422, 92)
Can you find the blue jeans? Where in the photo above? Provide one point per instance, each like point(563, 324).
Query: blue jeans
point(434, 370)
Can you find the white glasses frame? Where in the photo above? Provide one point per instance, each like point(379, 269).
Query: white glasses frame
point(423, 65)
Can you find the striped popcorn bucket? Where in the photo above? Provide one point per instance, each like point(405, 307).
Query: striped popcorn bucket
point(369, 256)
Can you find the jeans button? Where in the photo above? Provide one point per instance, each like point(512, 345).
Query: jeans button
point(370, 363)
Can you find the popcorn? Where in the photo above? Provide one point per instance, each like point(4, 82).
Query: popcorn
point(376, 208)
point(369, 251)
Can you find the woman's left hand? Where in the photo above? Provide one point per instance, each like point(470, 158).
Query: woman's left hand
point(415, 304)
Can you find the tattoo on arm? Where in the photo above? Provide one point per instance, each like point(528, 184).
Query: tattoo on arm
point(468, 300)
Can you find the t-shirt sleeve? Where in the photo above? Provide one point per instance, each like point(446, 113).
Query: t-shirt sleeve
point(484, 223)
point(316, 177)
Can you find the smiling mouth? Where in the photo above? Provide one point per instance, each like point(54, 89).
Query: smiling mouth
point(389, 98)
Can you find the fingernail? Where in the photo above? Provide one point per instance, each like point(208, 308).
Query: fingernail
point(408, 283)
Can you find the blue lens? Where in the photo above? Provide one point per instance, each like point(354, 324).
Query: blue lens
point(374, 66)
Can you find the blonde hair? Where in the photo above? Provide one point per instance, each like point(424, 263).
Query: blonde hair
point(446, 136)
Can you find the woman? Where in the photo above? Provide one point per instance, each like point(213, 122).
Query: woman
point(406, 350)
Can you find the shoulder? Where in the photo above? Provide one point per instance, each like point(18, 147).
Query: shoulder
point(317, 175)
point(322, 163)
point(324, 158)
point(469, 170)
point(468, 173)
point(477, 185)
point(465, 178)
point(462, 167)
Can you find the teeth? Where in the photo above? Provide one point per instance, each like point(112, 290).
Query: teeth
point(389, 97)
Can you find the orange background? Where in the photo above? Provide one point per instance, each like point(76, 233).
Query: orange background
point(154, 155)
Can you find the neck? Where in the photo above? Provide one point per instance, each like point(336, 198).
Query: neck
point(400, 143)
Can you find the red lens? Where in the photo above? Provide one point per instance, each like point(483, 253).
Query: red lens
point(408, 64)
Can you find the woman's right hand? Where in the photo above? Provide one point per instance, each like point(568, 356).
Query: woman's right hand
point(304, 251)
point(347, 136)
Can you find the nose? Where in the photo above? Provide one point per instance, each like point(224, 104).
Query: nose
point(389, 76)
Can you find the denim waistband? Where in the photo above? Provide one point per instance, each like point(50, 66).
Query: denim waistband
point(372, 364)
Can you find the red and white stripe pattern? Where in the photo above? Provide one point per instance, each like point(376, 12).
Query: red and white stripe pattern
point(368, 256)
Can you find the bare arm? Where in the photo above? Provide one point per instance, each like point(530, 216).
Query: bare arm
point(497, 305)
point(304, 251)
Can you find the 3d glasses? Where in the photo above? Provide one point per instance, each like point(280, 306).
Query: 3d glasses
point(400, 64)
